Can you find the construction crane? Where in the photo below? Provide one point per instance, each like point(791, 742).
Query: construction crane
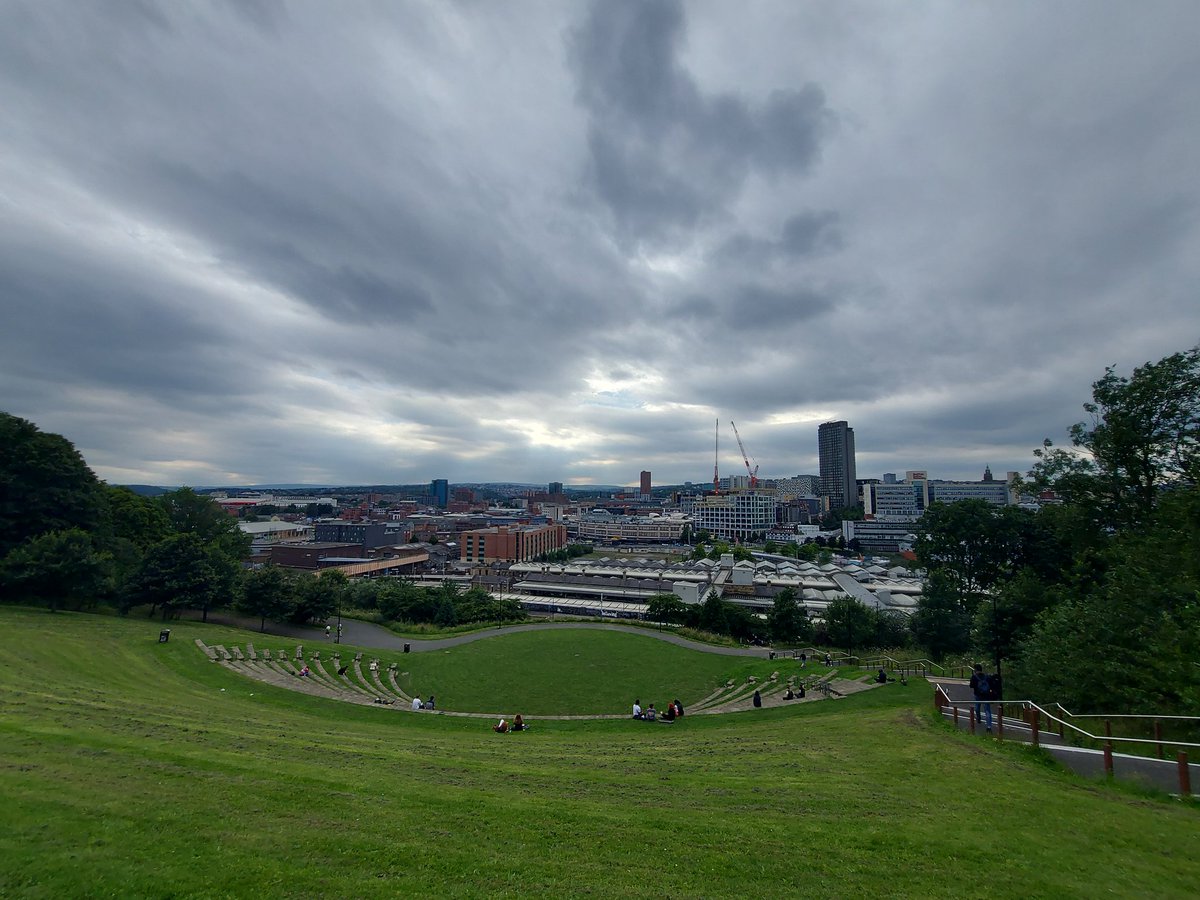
point(716, 453)
point(746, 458)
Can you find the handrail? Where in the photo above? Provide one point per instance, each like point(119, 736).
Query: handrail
point(1030, 704)
point(913, 663)
point(1124, 715)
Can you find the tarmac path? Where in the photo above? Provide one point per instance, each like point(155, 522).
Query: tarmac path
point(367, 634)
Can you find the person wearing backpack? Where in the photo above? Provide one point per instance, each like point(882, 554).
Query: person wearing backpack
point(981, 687)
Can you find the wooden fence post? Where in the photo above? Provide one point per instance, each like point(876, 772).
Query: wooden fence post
point(972, 720)
point(1158, 737)
point(1000, 722)
point(1033, 727)
point(1108, 759)
point(1185, 774)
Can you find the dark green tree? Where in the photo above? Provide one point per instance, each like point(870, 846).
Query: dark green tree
point(1143, 435)
point(712, 614)
point(318, 597)
point(849, 624)
point(787, 619)
point(667, 608)
point(267, 593)
point(44, 484)
point(58, 568)
point(177, 573)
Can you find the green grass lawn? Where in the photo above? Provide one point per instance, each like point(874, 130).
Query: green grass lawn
point(133, 768)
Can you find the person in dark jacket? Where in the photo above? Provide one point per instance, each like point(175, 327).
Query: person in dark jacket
point(981, 687)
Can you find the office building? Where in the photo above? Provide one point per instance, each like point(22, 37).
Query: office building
point(645, 484)
point(511, 543)
point(439, 490)
point(835, 445)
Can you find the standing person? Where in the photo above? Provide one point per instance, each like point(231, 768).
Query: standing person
point(981, 687)
point(757, 699)
point(326, 631)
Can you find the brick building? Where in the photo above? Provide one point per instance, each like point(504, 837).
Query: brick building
point(511, 543)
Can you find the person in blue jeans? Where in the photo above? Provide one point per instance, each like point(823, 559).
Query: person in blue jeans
point(982, 689)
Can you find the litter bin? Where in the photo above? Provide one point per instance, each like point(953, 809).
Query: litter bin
point(164, 635)
point(406, 647)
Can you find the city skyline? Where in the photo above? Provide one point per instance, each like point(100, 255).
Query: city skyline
point(263, 243)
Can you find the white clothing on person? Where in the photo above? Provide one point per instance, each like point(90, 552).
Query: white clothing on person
point(416, 702)
point(637, 711)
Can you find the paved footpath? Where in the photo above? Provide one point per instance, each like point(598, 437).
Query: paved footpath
point(1159, 773)
point(367, 634)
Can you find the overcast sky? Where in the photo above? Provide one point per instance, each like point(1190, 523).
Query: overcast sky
point(252, 242)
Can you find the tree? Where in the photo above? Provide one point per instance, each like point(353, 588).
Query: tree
point(787, 620)
point(266, 593)
point(318, 597)
point(44, 484)
point(1127, 639)
point(176, 574)
point(849, 623)
point(58, 568)
point(191, 513)
point(667, 608)
point(1144, 435)
point(712, 614)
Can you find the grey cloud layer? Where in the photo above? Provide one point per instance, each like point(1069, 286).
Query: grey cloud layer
point(285, 242)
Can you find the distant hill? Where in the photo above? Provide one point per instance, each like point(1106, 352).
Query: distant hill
point(146, 490)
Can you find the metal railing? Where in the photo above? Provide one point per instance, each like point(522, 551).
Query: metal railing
point(1033, 715)
point(908, 666)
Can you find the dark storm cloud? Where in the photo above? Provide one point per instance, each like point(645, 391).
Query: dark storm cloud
point(803, 235)
point(665, 155)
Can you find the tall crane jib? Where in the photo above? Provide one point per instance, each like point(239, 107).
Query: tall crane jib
point(716, 454)
point(751, 470)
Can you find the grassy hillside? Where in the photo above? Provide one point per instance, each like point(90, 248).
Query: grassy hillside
point(137, 768)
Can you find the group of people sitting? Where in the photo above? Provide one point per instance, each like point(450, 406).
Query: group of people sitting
point(504, 727)
point(673, 711)
point(417, 704)
point(797, 694)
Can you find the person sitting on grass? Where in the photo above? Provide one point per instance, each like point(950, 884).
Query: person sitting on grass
point(518, 723)
point(416, 704)
point(637, 709)
point(668, 713)
point(881, 678)
point(678, 709)
point(500, 727)
point(651, 715)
